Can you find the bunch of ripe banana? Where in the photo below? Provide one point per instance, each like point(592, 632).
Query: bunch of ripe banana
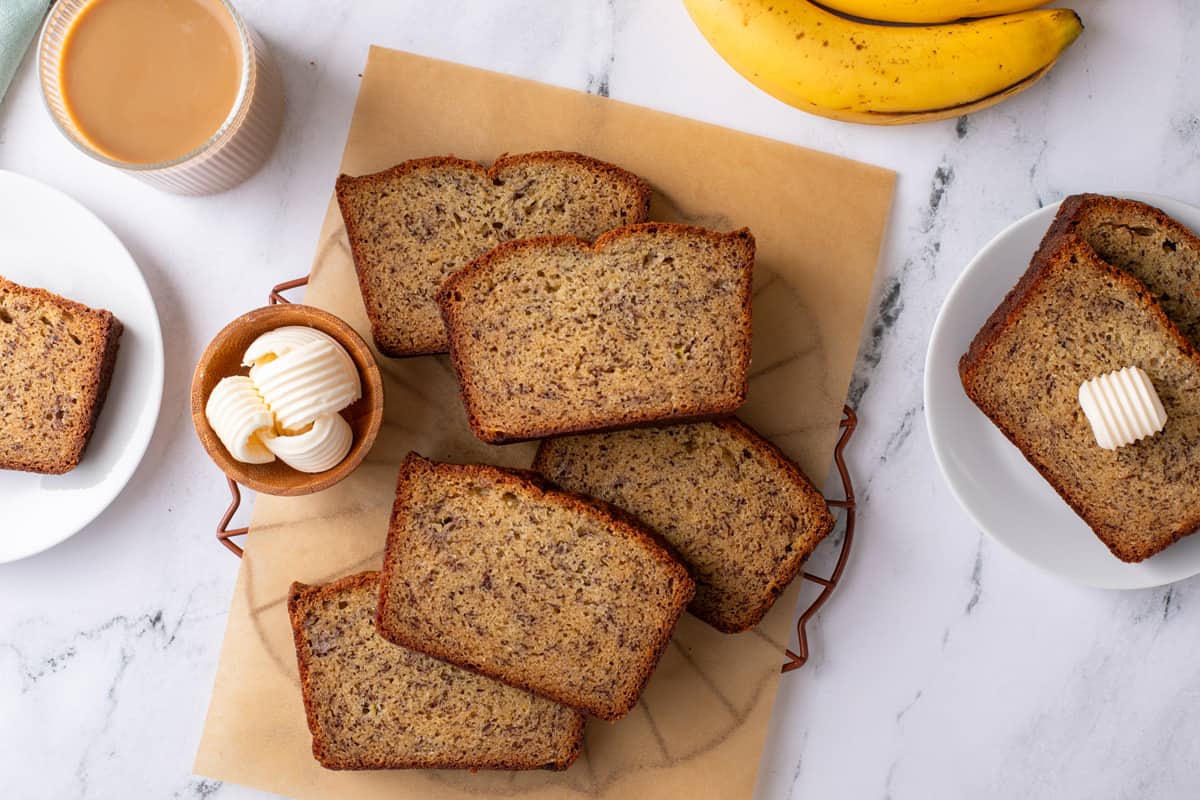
point(854, 63)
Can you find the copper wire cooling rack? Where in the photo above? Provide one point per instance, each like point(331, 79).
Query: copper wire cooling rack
point(795, 660)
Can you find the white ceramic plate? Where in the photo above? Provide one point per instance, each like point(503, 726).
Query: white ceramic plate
point(50, 241)
point(991, 479)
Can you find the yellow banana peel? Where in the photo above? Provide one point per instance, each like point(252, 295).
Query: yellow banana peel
point(862, 72)
point(929, 10)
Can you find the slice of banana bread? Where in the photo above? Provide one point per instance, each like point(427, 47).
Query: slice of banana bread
point(1071, 317)
point(374, 705)
point(553, 335)
point(412, 225)
point(1144, 241)
point(739, 513)
point(493, 570)
point(56, 361)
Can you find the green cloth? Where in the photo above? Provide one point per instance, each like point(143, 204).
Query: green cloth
point(19, 21)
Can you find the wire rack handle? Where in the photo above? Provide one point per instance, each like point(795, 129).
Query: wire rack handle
point(225, 534)
point(797, 660)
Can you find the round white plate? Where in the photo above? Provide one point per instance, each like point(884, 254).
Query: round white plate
point(50, 241)
point(991, 479)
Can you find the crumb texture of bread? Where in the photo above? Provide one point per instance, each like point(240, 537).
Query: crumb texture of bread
point(375, 705)
point(1074, 316)
point(555, 335)
point(414, 224)
point(1144, 241)
point(739, 513)
point(493, 570)
point(56, 362)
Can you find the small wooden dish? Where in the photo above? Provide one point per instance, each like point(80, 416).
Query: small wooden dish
point(223, 357)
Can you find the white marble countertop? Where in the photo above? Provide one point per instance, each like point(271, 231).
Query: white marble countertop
point(944, 667)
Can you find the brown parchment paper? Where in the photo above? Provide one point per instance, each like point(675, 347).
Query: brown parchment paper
point(699, 729)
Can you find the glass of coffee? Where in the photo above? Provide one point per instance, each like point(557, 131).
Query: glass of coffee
point(181, 94)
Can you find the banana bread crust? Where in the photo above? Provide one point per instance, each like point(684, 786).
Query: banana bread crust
point(1072, 213)
point(1141, 239)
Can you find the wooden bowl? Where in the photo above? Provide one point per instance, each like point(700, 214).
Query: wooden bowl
point(223, 357)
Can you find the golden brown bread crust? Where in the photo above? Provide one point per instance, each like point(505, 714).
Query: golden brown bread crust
point(103, 377)
point(96, 390)
point(1066, 223)
point(1058, 253)
point(527, 481)
point(300, 592)
point(1071, 216)
point(788, 569)
point(345, 184)
point(632, 418)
